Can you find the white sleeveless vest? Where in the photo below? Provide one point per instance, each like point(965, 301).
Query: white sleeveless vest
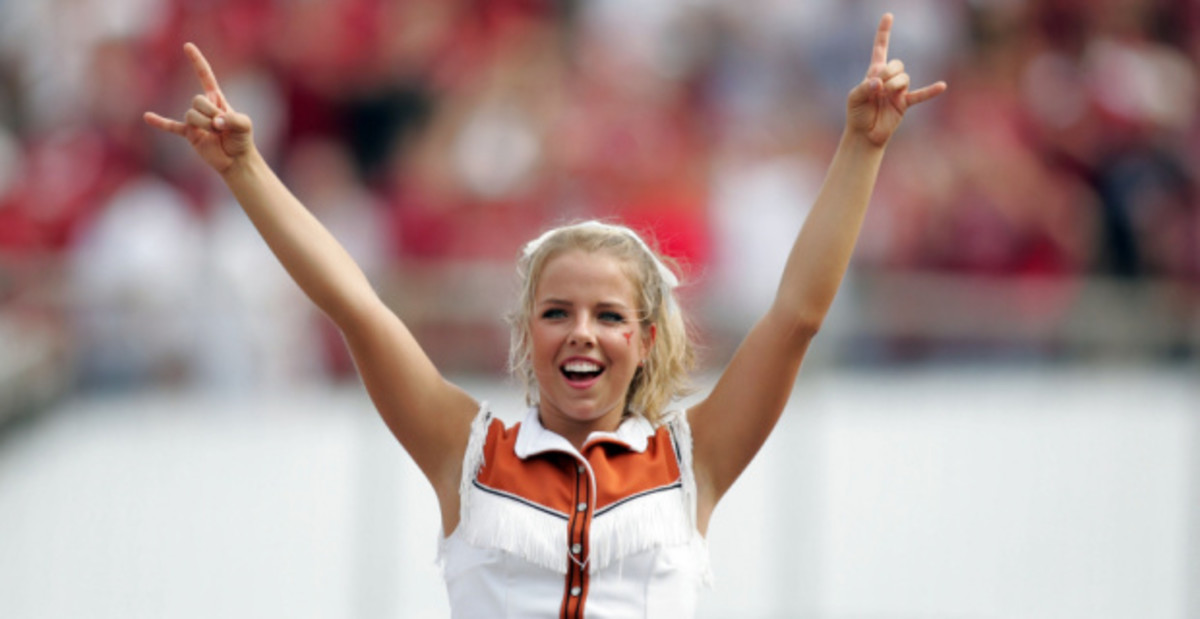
point(546, 530)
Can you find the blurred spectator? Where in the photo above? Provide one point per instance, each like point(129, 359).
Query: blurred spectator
point(772, 171)
point(323, 176)
point(134, 275)
point(429, 133)
point(256, 329)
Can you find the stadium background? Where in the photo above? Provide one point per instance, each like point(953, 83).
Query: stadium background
point(1001, 417)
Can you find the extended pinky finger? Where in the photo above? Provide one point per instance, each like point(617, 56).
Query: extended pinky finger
point(164, 124)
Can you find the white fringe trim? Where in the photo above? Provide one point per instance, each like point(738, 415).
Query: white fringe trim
point(472, 459)
point(508, 525)
point(651, 522)
point(677, 423)
point(654, 521)
point(472, 462)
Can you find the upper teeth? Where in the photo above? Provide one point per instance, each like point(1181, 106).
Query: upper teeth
point(581, 366)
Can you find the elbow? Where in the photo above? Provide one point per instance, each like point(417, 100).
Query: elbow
point(348, 311)
point(797, 326)
point(804, 328)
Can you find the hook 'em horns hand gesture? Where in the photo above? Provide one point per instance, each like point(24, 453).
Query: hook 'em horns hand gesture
point(219, 135)
point(876, 106)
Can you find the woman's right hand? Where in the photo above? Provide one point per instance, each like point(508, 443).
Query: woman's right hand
point(221, 136)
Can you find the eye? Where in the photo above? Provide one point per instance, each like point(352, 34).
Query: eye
point(554, 313)
point(613, 317)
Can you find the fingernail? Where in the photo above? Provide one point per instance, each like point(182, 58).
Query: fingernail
point(219, 122)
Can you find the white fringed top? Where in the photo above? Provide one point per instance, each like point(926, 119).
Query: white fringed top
point(547, 530)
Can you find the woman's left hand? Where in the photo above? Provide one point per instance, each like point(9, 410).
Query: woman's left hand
point(876, 106)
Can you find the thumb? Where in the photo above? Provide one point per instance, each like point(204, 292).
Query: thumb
point(864, 92)
point(232, 122)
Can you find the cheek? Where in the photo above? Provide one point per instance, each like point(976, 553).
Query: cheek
point(628, 337)
point(540, 345)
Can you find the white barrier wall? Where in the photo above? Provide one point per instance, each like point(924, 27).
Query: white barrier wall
point(974, 493)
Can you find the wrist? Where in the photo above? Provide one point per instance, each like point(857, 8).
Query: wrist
point(859, 141)
point(242, 165)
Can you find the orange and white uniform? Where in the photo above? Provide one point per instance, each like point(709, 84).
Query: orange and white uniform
point(547, 530)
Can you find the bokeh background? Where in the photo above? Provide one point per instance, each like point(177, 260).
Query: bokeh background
point(1001, 417)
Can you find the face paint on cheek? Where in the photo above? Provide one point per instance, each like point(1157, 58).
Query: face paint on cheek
point(628, 337)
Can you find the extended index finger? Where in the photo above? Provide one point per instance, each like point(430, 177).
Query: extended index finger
point(208, 80)
point(883, 37)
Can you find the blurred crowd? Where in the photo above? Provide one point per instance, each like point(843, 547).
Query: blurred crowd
point(432, 134)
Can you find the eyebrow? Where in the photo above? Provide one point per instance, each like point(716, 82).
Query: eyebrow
point(601, 305)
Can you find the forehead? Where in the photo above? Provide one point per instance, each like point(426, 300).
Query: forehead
point(577, 274)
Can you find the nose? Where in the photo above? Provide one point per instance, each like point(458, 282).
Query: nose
point(582, 333)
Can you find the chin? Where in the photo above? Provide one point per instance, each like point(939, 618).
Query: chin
point(584, 412)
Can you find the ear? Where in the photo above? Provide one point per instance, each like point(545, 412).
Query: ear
point(648, 338)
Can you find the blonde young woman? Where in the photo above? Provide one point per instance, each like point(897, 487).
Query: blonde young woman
point(596, 504)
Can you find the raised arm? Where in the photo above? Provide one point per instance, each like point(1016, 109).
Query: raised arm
point(732, 423)
point(430, 417)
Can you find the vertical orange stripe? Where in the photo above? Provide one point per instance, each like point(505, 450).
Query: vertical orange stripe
point(577, 529)
point(584, 538)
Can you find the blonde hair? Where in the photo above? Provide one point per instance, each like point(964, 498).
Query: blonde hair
point(664, 375)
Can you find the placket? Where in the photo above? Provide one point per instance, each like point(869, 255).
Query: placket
point(579, 540)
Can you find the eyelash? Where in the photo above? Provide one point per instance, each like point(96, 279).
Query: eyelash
point(612, 317)
point(557, 313)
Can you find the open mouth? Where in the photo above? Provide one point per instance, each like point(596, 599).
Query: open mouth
point(578, 370)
